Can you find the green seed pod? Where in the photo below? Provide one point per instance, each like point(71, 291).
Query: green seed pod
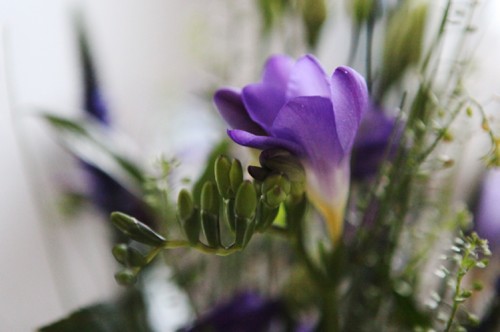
point(222, 170)
point(246, 201)
point(235, 175)
point(136, 230)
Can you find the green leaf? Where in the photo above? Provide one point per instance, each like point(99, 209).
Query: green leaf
point(89, 142)
point(127, 314)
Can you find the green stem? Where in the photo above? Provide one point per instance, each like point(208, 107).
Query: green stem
point(330, 315)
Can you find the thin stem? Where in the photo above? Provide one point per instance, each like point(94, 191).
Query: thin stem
point(370, 24)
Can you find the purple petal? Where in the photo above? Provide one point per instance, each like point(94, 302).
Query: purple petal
point(308, 79)
point(310, 123)
point(232, 110)
point(277, 71)
point(378, 138)
point(487, 222)
point(262, 142)
point(263, 102)
point(350, 99)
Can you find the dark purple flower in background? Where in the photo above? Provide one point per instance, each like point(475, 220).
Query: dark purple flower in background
point(104, 191)
point(371, 146)
point(248, 312)
point(487, 217)
point(299, 108)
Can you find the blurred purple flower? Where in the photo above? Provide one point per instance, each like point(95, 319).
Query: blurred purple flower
point(104, 191)
point(299, 108)
point(487, 218)
point(371, 146)
point(248, 312)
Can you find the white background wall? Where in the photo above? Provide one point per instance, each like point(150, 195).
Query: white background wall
point(150, 55)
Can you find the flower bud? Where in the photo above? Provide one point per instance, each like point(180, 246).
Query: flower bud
point(222, 170)
point(258, 173)
point(266, 216)
point(314, 15)
point(362, 10)
point(211, 229)
point(246, 201)
point(185, 206)
point(275, 190)
point(120, 253)
point(126, 277)
point(136, 230)
point(135, 258)
point(403, 42)
point(229, 214)
point(282, 161)
point(210, 199)
point(188, 216)
point(235, 175)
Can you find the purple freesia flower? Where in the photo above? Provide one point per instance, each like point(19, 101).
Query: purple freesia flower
point(371, 146)
point(248, 312)
point(487, 218)
point(298, 107)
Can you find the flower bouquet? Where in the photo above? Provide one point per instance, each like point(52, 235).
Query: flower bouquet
point(345, 214)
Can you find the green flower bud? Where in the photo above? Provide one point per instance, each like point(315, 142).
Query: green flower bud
point(235, 175)
point(211, 229)
point(126, 277)
point(136, 230)
point(276, 180)
point(229, 214)
point(185, 205)
point(188, 216)
point(120, 253)
point(246, 201)
point(222, 170)
point(282, 161)
point(297, 189)
point(403, 42)
point(136, 258)
point(275, 196)
point(210, 199)
point(266, 216)
point(314, 15)
point(362, 10)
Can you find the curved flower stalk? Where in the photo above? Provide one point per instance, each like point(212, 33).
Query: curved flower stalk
point(299, 108)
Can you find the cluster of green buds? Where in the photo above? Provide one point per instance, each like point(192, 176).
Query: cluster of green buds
point(229, 212)
point(231, 206)
point(133, 257)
